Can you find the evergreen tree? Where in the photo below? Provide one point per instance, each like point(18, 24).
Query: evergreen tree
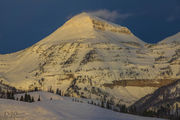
point(26, 97)
point(123, 108)
point(108, 105)
point(8, 95)
point(177, 107)
point(102, 104)
point(149, 113)
point(60, 92)
point(2, 94)
point(32, 99)
point(57, 91)
point(39, 98)
point(50, 90)
point(12, 96)
point(22, 98)
point(29, 98)
point(168, 109)
point(132, 109)
point(162, 111)
point(36, 89)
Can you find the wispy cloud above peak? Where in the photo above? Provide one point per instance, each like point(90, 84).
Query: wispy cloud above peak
point(110, 15)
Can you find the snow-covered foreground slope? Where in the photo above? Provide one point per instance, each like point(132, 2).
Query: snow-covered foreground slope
point(90, 57)
point(59, 108)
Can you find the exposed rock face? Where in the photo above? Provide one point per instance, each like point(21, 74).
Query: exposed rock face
point(100, 25)
point(90, 57)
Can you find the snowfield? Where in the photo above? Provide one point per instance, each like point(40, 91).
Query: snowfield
point(59, 108)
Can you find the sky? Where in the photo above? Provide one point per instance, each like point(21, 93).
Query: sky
point(25, 22)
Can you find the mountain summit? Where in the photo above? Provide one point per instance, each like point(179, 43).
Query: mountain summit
point(86, 26)
point(85, 21)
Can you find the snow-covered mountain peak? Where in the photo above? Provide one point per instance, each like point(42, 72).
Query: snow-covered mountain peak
point(85, 28)
point(87, 21)
point(172, 39)
point(81, 21)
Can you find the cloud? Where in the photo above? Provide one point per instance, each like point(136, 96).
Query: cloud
point(110, 15)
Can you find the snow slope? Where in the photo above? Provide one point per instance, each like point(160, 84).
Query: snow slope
point(60, 108)
point(172, 39)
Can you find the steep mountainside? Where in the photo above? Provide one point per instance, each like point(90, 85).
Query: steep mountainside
point(90, 57)
point(166, 96)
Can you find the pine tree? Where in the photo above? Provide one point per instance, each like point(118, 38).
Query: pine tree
point(8, 95)
point(123, 108)
point(168, 109)
point(26, 97)
point(36, 89)
point(177, 107)
point(32, 99)
point(12, 96)
point(39, 98)
point(60, 92)
point(102, 104)
point(22, 98)
point(132, 109)
point(3, 94)
point(50, 90)
point(108, 105)
point(29, 98)
point(57, 91)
